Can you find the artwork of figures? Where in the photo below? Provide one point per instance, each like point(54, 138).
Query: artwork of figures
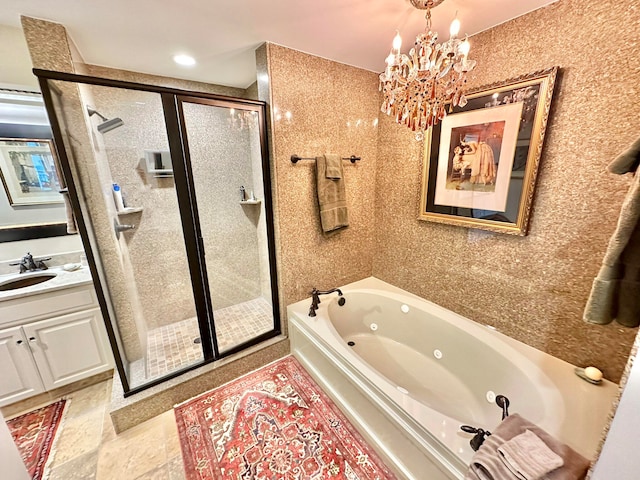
point(28, 171)
point(474, 160)
point(476, 156)
point(481, 161)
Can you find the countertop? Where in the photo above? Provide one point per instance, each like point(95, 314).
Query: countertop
point(62, 280)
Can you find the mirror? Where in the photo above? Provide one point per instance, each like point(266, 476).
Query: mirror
point(31, 205)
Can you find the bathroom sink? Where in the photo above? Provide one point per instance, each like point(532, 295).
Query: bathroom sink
point(25, 281)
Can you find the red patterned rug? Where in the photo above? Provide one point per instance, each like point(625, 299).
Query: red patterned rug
point(273, 424)
point(34, 434)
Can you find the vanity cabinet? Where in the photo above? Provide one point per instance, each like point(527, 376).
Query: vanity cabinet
point(52, 340)
point(19, 377)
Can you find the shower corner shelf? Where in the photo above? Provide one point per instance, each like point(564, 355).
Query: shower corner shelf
point(129, 210)
point(250, 202)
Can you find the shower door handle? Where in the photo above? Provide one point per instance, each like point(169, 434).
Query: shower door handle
point(121, 228)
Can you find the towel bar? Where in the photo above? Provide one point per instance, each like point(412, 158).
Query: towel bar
point(295, 158)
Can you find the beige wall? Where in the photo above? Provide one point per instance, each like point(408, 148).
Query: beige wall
point(532, 288)
point(326, 100)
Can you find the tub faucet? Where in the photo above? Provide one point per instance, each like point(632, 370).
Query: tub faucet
point(503, 402)
point(29, 264)
point(315, 299)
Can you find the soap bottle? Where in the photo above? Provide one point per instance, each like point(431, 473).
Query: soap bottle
point(117, 197)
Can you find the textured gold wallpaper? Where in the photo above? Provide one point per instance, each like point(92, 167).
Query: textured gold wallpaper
point(333, 109)
point(531, 288)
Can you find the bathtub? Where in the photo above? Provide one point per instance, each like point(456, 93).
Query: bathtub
point(408, 373)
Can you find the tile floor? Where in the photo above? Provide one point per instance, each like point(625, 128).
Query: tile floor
point(171, 347)
point(87, 447)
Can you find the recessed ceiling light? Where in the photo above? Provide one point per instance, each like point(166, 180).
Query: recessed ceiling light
point(184, 60)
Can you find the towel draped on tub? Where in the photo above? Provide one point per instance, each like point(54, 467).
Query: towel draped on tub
point(615, 293)
point(331, 193)
point(487, 463)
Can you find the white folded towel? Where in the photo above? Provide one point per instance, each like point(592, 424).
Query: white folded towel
point(528, 457)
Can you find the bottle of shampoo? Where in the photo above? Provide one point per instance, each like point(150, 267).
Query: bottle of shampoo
point(117, 197)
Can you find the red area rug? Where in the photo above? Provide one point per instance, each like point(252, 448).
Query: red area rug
point(273, 424)
point(34, 434)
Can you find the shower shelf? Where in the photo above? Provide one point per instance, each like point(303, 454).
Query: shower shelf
point(129, 210)
point(250, 202)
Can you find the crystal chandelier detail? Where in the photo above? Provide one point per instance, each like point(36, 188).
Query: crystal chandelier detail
point(418, 86)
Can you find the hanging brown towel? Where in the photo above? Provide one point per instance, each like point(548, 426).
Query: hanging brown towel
point(331, 195)
point(615, 293)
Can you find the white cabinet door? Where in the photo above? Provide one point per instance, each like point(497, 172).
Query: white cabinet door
point(19, 376)
point(68, 348)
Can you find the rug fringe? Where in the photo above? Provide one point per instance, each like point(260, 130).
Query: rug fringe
point(52, 451)
point(232, 380)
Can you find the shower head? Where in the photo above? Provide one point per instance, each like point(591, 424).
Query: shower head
point(106, 125)
point(109, 125)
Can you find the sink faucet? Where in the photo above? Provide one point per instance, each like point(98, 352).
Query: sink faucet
point(29, 264)
point(315, 299)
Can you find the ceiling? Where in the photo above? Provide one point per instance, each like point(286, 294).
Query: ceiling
point(143, 35)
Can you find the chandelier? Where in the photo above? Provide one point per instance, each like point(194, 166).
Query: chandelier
point(417, 87)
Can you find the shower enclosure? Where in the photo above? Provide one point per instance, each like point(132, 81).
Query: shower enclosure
point(176, 218)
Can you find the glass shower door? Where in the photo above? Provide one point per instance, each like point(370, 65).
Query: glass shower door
point(226, 150)
point(184, 267)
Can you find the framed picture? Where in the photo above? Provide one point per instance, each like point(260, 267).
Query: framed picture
point(28, 173)
point(481, 161)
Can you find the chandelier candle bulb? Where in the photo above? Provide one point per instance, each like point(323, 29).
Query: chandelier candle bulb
point(465, 47)
point(454, 29)
point(397, 44)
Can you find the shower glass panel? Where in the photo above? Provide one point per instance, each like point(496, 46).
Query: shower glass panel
point(225, 152)
point(184, 266)
point(140, 240)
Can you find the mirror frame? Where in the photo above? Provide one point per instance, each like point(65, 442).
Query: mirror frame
point(31, 231)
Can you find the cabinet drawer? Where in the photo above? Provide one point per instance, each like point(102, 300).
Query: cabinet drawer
point(35, 307)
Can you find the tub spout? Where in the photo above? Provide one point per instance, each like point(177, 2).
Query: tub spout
point(315, 299)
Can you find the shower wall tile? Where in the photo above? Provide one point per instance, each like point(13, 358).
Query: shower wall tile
point(156, 248)
point(222, 163)
point(319, 106)
point(532, 288)
point(156, 259)
point(53, 51)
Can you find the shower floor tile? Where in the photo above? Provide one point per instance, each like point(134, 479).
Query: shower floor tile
point(172, 347)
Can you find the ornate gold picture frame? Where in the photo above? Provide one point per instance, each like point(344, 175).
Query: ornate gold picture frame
point(481, 162)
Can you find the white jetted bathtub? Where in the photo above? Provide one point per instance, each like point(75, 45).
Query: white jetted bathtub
point(408, 373)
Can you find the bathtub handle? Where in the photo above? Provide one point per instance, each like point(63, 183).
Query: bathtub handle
point(503, 402)
point(478, 437)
